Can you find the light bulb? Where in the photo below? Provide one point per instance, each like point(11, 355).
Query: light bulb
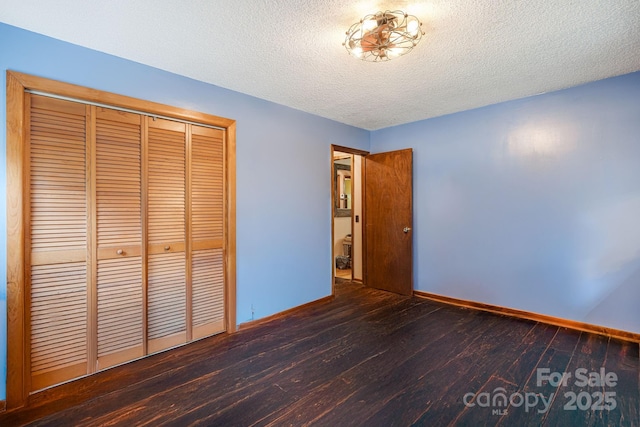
point(369, 25)
point(394, 52)
point(413, 27)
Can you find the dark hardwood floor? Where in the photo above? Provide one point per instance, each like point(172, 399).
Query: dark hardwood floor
point(366, 358)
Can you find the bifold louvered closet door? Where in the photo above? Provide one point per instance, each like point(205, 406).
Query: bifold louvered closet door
point(125, 237)
point(118, 195)
point(58, 240)
point(167, 235)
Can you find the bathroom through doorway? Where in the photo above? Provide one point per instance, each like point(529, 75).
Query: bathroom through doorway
point(347, 215)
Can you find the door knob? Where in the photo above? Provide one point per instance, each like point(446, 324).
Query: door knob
point(406, 229)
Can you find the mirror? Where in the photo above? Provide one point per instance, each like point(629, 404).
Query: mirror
point(342, 190)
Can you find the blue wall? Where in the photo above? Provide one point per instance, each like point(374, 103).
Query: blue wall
point(284, 223)
point(532, 204)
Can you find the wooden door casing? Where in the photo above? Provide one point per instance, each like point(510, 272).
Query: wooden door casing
point(388, 215)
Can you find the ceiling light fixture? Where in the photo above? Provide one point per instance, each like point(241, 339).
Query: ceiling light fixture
point(383, 36)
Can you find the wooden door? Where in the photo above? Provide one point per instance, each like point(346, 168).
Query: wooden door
point(119, 217)
point(58, 278)
point(207, 231)
point(388, 214)
point(167, 286)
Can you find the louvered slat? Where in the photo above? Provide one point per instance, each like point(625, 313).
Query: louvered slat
point(57, 236)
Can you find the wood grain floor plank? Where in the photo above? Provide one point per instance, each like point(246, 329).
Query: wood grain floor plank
point(589, 355)
point(380, 395)
point(468, 371)
point(555, 358)
point(511, 368)
point(343, 375)
point(623, 360)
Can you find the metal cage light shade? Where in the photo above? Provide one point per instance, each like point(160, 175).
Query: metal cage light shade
point(383, 36)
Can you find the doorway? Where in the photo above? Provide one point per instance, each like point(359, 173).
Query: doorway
point(347, 206)
point(372, 218)
point(345, 195)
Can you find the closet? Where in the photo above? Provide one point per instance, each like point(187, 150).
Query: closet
point(124, 236)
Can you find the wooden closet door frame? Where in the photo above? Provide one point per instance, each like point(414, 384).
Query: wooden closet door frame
point(17, 203)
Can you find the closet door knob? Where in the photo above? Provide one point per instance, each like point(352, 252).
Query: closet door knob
point(119, 252)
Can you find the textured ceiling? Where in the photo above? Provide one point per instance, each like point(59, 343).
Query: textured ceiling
point(474, 52)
